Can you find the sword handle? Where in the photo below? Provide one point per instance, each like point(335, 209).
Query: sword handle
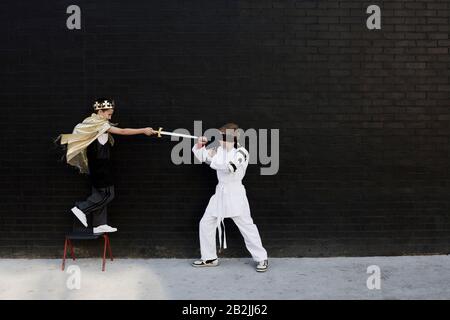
point(159, 132)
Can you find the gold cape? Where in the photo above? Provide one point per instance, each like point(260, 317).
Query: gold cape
point(82, 136)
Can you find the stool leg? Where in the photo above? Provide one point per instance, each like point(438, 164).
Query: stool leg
point(64, 255)
point(71, 250)
point(104, 252)
point(110, 251)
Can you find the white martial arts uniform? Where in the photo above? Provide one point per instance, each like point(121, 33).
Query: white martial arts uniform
point(229, 201)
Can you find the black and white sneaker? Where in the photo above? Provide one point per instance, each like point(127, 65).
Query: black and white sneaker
point(262, 266)
point(104, 229)
point(205, 263)
point(80, 215)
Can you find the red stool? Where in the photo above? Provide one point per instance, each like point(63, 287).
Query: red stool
point(86, 236)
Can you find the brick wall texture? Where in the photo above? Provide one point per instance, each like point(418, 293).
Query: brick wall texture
point(363, 118)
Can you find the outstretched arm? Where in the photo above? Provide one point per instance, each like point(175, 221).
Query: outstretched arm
point(131, 132)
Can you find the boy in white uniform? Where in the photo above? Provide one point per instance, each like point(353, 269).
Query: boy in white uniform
point(230, 160)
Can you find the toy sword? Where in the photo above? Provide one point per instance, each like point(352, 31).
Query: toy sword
point(166, 133)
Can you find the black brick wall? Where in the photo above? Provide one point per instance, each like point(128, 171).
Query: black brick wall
point(363, 118)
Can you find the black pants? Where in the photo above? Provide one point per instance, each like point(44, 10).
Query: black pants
point(96, 204)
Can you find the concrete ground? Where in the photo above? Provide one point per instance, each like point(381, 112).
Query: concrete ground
point(408, 277)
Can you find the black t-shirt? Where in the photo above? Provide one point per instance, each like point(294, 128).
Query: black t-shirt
point(99, 161)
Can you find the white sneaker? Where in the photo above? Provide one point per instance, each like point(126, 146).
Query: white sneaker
point(80, 215)
point(207, 263)
point(262, 266)
point(104, 228)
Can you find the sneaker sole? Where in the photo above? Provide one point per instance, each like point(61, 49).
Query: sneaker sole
point(100, 232)
point(204, 265)
point(260, 270)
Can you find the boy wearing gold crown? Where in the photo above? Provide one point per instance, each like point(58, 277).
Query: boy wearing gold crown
point(89, 149)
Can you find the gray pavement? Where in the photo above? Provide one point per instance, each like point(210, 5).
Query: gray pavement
point(406, 277)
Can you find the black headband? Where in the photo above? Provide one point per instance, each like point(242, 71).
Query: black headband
point(228, 137)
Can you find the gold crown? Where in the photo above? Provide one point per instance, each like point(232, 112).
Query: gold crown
point(103, 105)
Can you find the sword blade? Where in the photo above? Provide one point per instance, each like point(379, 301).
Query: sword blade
point(166, 133)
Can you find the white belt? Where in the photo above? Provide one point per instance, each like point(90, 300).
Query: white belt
point(222, 189)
